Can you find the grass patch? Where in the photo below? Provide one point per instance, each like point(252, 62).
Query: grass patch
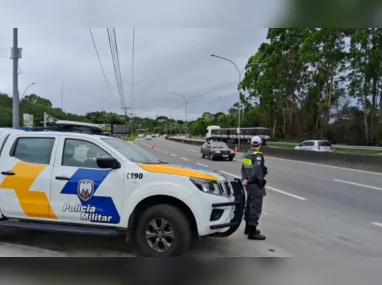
point(281, 145)
point(198, 137)
point(337, 150)
point(131, 138)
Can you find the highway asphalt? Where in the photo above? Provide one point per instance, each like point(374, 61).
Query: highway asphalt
point(310, 209)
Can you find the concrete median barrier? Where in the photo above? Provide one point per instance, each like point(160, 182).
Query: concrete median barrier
point(354, 161)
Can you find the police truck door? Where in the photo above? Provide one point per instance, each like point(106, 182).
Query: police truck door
point(26, 169)
point(81, 191)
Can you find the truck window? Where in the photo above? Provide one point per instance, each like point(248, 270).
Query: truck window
point(33, 150)
point(131, 151)
point(79, 153)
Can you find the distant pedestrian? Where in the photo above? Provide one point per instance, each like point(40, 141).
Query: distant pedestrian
point(253, 172)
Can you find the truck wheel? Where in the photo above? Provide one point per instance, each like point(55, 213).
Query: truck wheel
point(163, 231)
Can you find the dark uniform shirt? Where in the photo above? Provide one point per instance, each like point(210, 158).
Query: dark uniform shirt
point(253, 170)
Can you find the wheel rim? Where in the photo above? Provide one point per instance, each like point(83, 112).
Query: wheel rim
point(159, 235)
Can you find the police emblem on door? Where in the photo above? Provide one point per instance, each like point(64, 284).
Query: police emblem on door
point(85, 189)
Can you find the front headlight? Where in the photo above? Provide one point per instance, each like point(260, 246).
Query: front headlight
point(207, 186)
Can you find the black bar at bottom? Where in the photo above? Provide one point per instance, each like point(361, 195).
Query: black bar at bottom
point(222, 226)
point(216, 205)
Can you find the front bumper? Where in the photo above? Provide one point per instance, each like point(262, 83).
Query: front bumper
point(220, 155)
point(239, 204)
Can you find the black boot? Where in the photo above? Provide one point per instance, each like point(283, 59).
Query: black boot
point(254, 234)
point(246, 230)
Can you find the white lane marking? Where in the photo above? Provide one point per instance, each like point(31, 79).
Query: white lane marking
point(164, 151)
point(286, 193)
point(267, 214)
point(192, 150)
point(230, 174)
point(159, 149)
point(377, 224)
point(329, 166)
point(173, 154)
point(201, 164)
point(357, 184)
point(184, 158)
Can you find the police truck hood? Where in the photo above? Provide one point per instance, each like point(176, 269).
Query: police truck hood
point(184, 170)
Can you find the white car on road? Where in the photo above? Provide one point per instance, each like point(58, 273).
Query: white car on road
point(315, 145)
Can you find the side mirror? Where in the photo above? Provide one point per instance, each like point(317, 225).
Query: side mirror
point(108, 162)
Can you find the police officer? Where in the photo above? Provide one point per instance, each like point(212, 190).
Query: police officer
point(253, 171)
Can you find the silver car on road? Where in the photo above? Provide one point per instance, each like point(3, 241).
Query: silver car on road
point(315, 145)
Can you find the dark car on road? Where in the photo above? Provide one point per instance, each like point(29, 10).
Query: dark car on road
point(217, 150)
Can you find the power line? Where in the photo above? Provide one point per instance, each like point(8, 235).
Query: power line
point(100, 63)
point(113, 60)
point(116, 63)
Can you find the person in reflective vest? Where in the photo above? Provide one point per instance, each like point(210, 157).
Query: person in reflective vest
point(253, 172)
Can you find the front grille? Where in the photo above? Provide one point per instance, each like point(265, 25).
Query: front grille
point(225, 188)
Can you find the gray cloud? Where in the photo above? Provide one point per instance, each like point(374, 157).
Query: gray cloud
point(166, 60)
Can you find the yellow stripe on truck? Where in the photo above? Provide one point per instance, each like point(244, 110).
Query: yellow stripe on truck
point(34, 204)
point(176, 170)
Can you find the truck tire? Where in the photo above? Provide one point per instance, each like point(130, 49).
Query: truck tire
point(170, 241)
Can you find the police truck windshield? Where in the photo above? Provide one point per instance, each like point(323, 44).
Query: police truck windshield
point(131, 151)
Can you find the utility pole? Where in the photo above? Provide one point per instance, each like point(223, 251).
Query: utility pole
point(132, 114)
point(15, 55)
point(126, 108)
point(62, 95)
point(170, 122)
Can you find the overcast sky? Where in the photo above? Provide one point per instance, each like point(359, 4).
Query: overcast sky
point(167, 59)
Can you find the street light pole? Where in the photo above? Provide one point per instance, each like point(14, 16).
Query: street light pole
point(33, 83)
point(186, 102)
point(238, 71)
point(16, 54)
point(170, 121)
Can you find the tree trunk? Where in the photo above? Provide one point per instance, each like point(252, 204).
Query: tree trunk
point(274, 127)
point(290, 118)
point(329, 94)
point(365, 120)
point(317, 121)
point(373, 110)
point(284, 113)
point(380, 108)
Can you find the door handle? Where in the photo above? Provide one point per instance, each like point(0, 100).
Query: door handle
point(9, 173)
point(62, 178)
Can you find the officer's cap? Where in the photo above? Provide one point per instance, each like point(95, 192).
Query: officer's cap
point(256, 141)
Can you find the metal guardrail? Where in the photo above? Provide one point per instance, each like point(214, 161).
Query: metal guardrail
point(375, 148)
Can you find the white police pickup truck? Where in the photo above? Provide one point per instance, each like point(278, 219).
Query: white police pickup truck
point(99, 185)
